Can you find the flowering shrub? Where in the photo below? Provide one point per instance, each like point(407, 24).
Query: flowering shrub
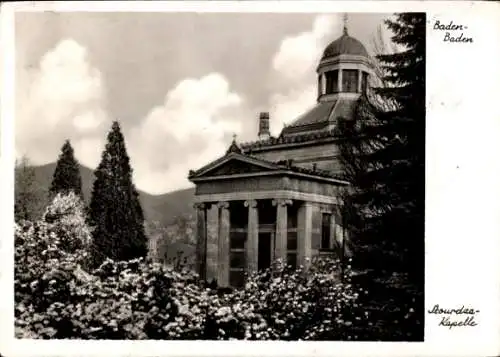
point(308, 303)
point(48, 259)
point(57, 298)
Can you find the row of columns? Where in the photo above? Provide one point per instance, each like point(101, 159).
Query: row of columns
point(304, 229)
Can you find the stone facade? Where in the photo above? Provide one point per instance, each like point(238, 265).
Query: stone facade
point(323, 156)
point(276, 213)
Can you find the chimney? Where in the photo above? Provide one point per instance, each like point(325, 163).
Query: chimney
point(264, 126)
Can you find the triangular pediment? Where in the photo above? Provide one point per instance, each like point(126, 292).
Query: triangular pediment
point(234, 164)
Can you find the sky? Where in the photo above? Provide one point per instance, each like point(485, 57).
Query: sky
point(180, 84)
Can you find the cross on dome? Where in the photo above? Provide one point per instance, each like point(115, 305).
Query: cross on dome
point(346, 19)
point(234, 147)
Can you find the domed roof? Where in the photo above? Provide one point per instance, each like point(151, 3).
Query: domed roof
point(345, 45)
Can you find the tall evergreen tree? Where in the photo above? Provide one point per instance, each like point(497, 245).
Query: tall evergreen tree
point(67, 173)
point(384, 158)
point(115, 210)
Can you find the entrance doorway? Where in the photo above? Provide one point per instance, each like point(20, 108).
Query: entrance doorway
point(265, 250)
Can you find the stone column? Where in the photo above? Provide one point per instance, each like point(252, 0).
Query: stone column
point(323, 83)
point(223, 245)
point(339, 81)
point(252, 244)
point(281, 228)
point(304, 234)
point(201, 239)
point(360, 78)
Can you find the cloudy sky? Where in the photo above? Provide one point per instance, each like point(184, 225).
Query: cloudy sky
point(180, 84)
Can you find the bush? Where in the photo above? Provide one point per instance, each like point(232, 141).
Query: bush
point(57, 298)
point(49, 256)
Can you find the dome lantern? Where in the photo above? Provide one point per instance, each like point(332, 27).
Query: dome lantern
point(344, 68)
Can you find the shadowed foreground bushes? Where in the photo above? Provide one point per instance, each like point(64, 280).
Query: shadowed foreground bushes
point(57, 297)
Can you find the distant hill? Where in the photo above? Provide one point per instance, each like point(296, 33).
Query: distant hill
point(162, 208)
point(166, 207)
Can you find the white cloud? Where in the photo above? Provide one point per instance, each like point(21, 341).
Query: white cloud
point(62, 98)
point(295, 64)
point(298, 55)
point(88, 150)
point(88, 121)
point(189, 130)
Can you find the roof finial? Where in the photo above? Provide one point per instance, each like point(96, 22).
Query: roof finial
point(345, 23)
point(234, 147)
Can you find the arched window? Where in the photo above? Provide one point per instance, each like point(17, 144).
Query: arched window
point(332, 84)
point(350, 80)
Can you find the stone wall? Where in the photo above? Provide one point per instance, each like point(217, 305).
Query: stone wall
point(319, 188)
point(323, 155)
point(267, 183)
point(240, 184)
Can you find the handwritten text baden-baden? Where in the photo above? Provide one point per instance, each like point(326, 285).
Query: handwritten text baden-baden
point(450, 32)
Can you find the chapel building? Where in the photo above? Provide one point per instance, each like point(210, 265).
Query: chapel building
point(279, 197)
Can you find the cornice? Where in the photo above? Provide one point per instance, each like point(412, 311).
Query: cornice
point(289, 141)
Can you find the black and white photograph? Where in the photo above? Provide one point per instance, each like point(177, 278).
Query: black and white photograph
point(224, 176)
point(253, 184)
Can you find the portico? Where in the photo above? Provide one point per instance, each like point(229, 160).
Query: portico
point(266, 215)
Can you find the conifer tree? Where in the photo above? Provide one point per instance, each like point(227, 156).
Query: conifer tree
point(384, 158)
point(115, 211)
point(400, 162)
point(67, 173)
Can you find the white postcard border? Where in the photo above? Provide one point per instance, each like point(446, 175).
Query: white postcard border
point(463, 189)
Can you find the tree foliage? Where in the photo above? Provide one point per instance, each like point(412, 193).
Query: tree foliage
point(67, 173)
point(383, 154)
point(115, 211)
